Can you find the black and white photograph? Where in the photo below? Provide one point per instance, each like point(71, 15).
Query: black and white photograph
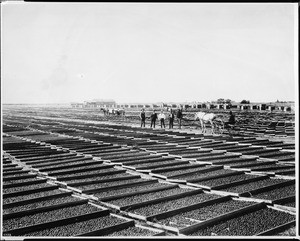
point(149, 120)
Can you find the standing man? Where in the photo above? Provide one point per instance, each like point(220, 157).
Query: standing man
point(153, 118)
point(123, 114)
point(171, 119)
point(231, 120)
point(162, 117)
point(179, 117)
point(143, 117)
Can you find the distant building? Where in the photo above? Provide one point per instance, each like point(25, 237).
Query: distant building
point(287, 106)
point(98, 103)
point(77, 105)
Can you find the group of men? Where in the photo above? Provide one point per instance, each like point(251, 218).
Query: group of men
point(171, 116)
point(161, 116)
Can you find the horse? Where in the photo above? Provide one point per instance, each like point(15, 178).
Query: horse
point(111, 111)
point(105, 112)
point(119, 111)
point(211, 118)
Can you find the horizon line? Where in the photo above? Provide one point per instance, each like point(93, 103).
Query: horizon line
point(76, 102)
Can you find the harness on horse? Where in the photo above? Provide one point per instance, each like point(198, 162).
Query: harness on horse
point(211, 118)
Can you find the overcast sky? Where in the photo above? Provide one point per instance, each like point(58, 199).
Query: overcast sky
point(60, 53)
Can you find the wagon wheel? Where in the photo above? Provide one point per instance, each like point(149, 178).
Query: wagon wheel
point(219, 127)
point(216, 129)
point(195, 123)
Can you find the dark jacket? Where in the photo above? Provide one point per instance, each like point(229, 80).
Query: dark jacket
point(143, 115)
point(231, 119)
point(153, 116)
point(179, 114)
